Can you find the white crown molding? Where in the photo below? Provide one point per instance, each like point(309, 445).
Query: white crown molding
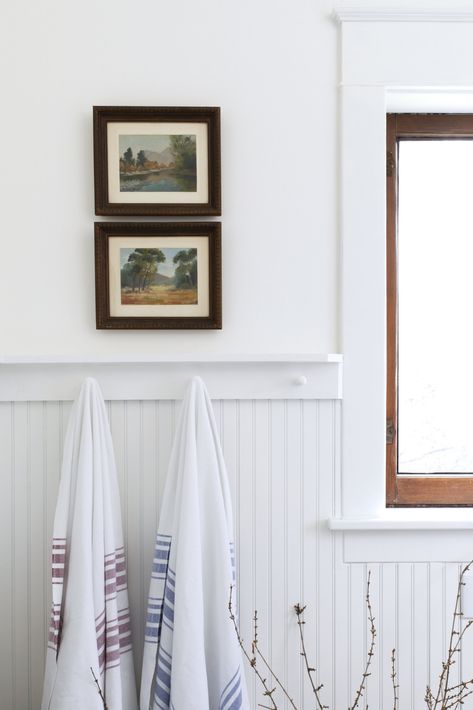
point(342, 14)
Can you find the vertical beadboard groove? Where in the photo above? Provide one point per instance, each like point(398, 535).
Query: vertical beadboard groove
point(13, 557)
point(302, 596)
point(6, 551)
point(318, 586)
point(365, 639)
point(45, 519)
point(125, 470)
point(28, 548)
point(156, 447)
point(285, 571)
point(348, 646)
point(381, 634)
point(253, 503)
point(141, 533)
point(429, 614)
point(396, 606)
point(237, 498)
point(334, 477)
point(269, 498)
point(413, 636)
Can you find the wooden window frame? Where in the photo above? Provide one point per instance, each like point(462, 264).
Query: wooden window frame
point(404, 490)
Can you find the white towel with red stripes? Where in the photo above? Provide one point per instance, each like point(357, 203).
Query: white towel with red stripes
point(192, 660)
point(90, 616)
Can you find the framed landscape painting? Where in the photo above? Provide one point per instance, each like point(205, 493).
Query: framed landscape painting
point(157, 160)
point(158, 275)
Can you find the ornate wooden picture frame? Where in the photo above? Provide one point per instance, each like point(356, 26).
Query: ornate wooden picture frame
point(157, 160)
point(158, 275)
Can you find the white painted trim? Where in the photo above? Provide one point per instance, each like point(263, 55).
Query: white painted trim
point(412, 54)
point(346, 14)
point(429, 100)
point(185, 357)
point(434, 523)
point(167, 380)
point(407, 545)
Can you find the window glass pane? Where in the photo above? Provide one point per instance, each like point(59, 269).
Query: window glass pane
point(435, 262)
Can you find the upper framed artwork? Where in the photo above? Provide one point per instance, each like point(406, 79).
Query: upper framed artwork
point(157, 160)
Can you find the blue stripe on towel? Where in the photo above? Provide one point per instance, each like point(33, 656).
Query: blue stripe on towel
point(162, 692)
point(161, 697)
point(164, 676)
point(231, 698)
point(159, 572)
point(228, 685)
point(160, 613)
point(168, 608)
point(232, 559)
point(161, 556)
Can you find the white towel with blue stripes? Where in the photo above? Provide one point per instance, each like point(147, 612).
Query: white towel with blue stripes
point(192, 660)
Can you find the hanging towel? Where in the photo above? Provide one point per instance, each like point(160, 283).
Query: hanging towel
point(90, 617)
point(192, 660)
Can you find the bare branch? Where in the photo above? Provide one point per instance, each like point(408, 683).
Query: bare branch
point(99, 689)
point(252, 659)
point(393, 679)
point(443, 690)
point(309, 670)
point(256, 650)
point(366, 673)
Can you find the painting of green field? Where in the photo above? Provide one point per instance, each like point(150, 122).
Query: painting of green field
point(158, 277)
point(158, 163)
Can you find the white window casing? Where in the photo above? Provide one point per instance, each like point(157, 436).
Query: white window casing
point(391, 61)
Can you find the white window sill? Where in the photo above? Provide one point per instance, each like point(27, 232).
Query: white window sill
point(434, 535)
point(438, 519)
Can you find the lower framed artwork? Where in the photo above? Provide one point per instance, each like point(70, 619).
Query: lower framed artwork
point(164, 275)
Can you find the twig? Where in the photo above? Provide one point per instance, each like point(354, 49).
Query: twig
point(366, 672)
point(252, 660)
point(315, 689)
point(99, 688)
point(453, 647)
point(255, 648)
point(393, 678)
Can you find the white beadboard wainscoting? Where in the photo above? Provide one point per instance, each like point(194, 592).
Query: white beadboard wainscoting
point(283, 459)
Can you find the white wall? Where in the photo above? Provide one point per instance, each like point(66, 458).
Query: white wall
point(271, 66)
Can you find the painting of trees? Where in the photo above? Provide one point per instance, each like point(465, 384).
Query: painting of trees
point(158, 163)
point(128, 157)
point(141, 158)
point(141, 268)
point(183, 149)
point(175, 284)
point(186, 268)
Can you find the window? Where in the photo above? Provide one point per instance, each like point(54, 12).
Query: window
point(429, 431)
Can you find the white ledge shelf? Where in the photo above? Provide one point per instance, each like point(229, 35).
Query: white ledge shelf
point(441, 521)
point(182, 357)
point(247, 376)
point(360, 14)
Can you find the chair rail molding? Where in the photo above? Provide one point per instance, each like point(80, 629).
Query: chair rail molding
point(232, 377)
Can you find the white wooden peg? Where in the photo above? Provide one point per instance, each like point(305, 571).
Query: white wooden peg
point(301, 380)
